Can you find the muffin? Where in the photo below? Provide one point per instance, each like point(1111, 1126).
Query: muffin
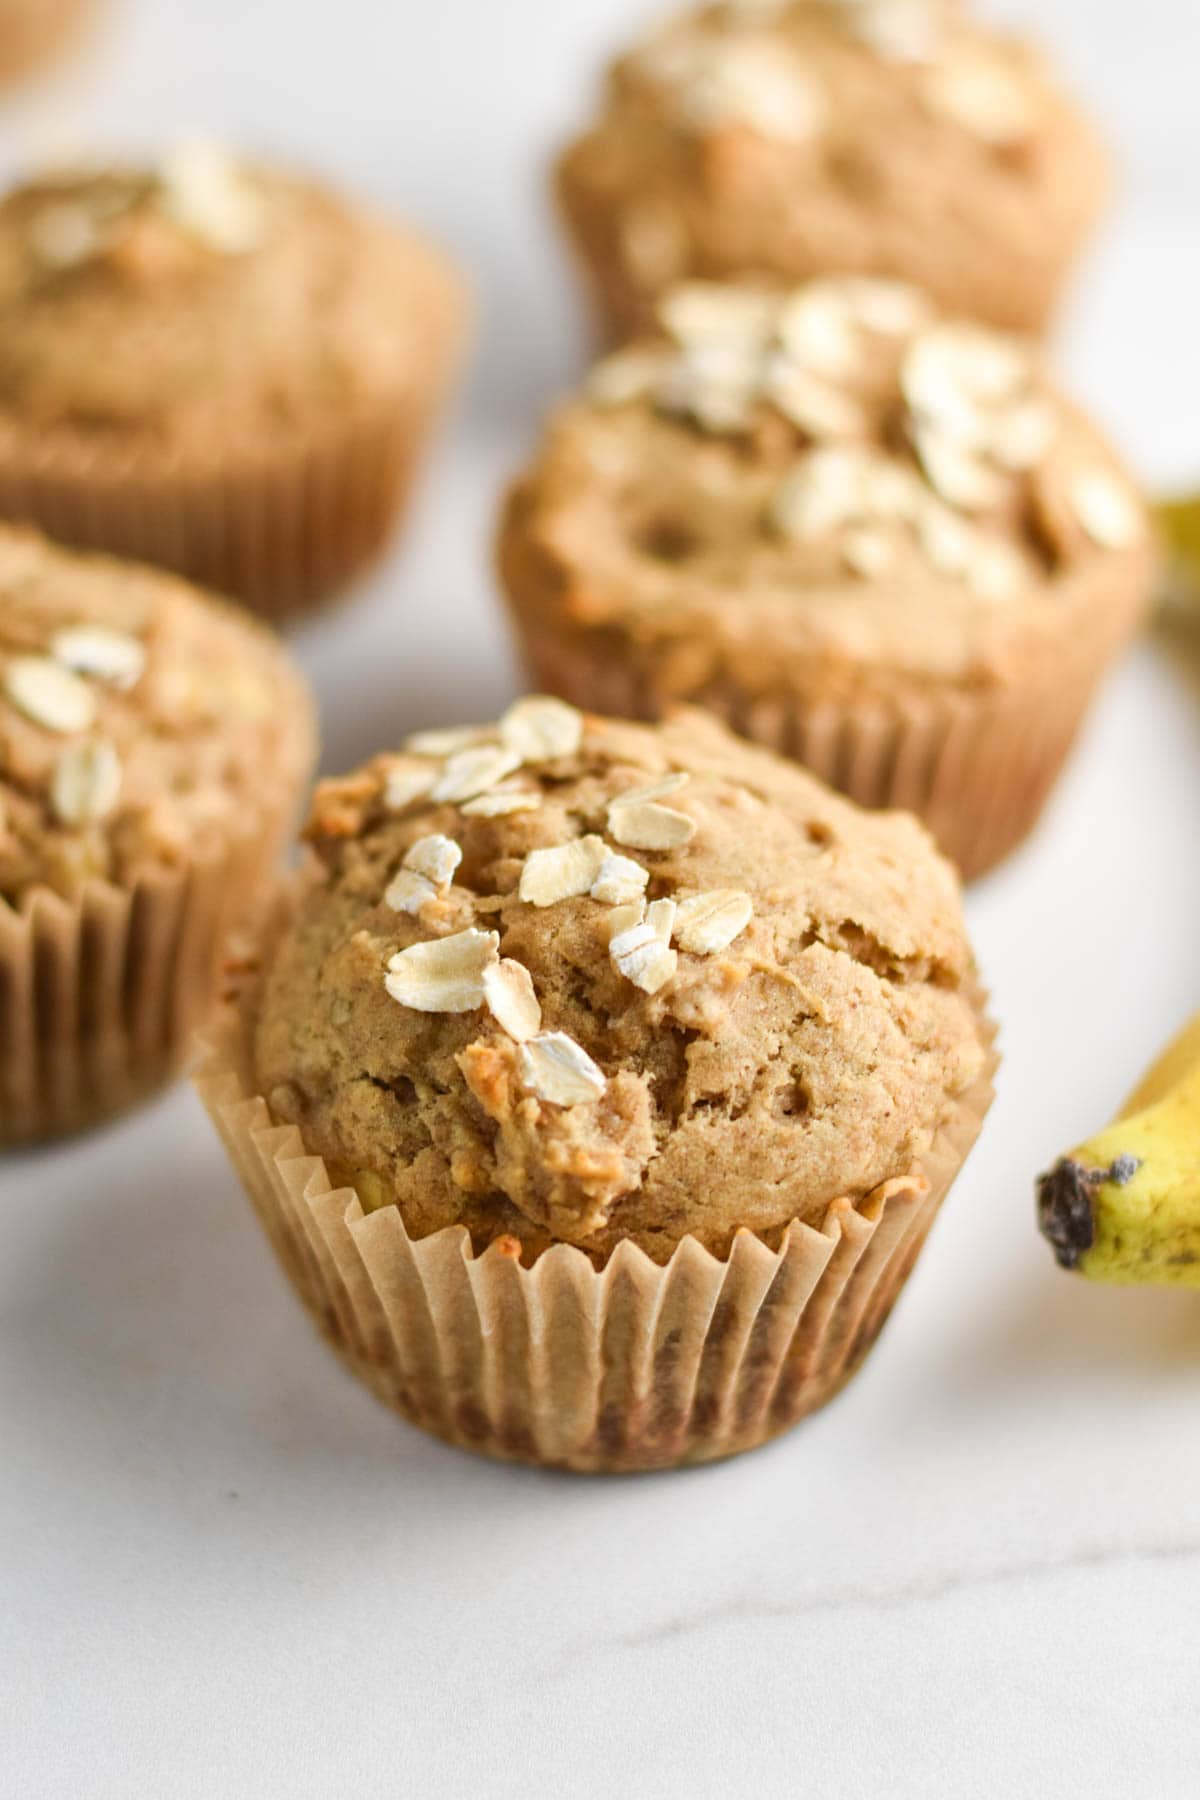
point(786, 139)
point(223, 369)
point(31, 31)
point(598, 1083)
point(153, 746)
point(875, 539)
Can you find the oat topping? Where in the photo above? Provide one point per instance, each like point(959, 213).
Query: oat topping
point(540, 729)
point(706, 923)
point(510, 998)
point(976, 89)
point(816, 327)
point(560, 1071)
point(818, 408)
point(624, 918)
point(1106, 509)
point(955, 473)
point(643, 957)
point(501, 802)
point(620, 881)
point(205, 192)
point(563, 872)
point(87, 783)
point(747, 81)
point(974, 418)
point(425, 874)
point(444, 975)
point(469, 773)
point(94, 650)
point(900, 30)
point(867, 551)
point(639, 821)
point(855, 491)
point(404, 786)
point(49, 694)
point(444, 741)
point(627, 375)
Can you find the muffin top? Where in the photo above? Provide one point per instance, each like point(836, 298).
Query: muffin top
point(741, 136)
point(141, 723)
point(573, 980)
point(834, 480)
point(803, 71)
point(205, 304)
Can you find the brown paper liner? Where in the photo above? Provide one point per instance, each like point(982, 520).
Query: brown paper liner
point(634, 1366)
point(280, 531)
point(101, 996)
point(977, 767)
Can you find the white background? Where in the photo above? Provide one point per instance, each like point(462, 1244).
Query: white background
point(225, 1571)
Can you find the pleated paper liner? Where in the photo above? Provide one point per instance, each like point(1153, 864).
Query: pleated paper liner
point(281, 531)
point(630, 1367)
point(977, 767)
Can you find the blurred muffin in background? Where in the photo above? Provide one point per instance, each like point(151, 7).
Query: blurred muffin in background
point(789, 138)
point(153, 748)
point(224, 369)
point(876, 539)
point(32, 31)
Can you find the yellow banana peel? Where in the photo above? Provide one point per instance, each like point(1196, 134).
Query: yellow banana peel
point(1179, 521)
point(1125, 1206)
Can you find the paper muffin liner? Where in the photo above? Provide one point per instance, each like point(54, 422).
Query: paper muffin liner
point(101, 996)
point(634, 1366)
point(280, 531)
point(976, 766)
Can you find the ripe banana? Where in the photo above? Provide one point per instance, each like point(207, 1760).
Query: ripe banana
point(1179, 521)
point(1125, 1207)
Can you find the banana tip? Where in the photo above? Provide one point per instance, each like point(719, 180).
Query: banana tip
point(1066, 1205)
point(1065, 1216)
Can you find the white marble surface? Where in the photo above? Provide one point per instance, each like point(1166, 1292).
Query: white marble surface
point(224, 1571)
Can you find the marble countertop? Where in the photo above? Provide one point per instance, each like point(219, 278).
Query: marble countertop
point(226, 1571)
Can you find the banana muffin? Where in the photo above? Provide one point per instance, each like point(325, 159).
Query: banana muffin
point(32, 31)
point(570, 997)
point(220, 367)
point(784, 139)
point(876, 539)
point(153, 748)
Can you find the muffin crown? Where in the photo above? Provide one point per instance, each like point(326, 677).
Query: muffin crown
point(867, 484)
point(574, 980)
point(141, 722)
point(789, 70)
point(220, 304)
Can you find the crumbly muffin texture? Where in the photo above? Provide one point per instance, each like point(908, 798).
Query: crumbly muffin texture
point(830, 492)
point(141, 722)
point(791, 138)
point(569, 980)
point(205, 304)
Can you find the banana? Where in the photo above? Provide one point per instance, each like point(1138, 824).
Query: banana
point(1125, 1206)
point(1179, 522)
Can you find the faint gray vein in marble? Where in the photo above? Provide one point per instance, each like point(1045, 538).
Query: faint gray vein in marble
point(751, 1608)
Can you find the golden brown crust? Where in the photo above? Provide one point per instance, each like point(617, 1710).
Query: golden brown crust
point(788, 142)
point(796, 1031)
point(223, 309)
point(143, 725)
point(725, 521)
